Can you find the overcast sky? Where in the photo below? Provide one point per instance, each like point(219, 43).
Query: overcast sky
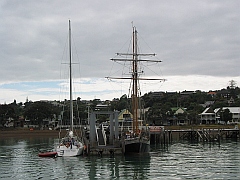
point(197, 41)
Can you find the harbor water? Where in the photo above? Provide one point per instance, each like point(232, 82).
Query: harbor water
point(179, 160)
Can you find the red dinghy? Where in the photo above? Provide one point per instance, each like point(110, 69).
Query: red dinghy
point(47, 154)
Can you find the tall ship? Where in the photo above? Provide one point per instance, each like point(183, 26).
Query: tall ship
point(137, 140)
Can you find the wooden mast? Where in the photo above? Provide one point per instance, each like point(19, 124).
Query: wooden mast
point(135, 76)
point(135, 83)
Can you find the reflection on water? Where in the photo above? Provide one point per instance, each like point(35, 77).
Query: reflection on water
point(19, 160)
point(127, 167)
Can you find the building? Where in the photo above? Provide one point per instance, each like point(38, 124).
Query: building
point(124, 115)
point(235, 111)
point(212, 93)
point(187, 93)
point(178, 120)
point(210, 116)
point(178, 110)
point(159, 94)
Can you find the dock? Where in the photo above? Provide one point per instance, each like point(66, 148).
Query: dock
point(160, 135)
point(100, 141)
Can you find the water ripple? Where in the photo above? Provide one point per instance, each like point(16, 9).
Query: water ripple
point(19, 160)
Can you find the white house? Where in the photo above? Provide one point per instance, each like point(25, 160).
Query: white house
point(210, 116)
point(234, 110)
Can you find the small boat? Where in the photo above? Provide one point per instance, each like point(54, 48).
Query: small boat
point(48, 154)
point(70, 144)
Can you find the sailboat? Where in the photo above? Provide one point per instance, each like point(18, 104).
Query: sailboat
point(70, 144)
point(138, 140)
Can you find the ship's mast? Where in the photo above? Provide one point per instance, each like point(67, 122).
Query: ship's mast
point(70, 76)
point(135, 82)
point(135, 76)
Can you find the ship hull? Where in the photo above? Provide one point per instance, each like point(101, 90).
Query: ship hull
point(62, 150)
point(136, 145)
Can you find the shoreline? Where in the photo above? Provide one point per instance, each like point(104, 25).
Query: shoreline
point(25, 132)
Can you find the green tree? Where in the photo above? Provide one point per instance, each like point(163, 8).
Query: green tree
point(226, 115)
point(6, 112)
point(120, 104)
point(38, 111)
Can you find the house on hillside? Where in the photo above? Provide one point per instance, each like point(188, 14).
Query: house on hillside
point(235, 111)
point(124, 115)
point(159, 94)
point(187, 93)
point(125, 118)
point(177, 111)
point(212, 93)
point(208, 116)
point(102, 107)
point(224, 93)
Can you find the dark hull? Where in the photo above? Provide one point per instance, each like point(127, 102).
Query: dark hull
point(136, 145)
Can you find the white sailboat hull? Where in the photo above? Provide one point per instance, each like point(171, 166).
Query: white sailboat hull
point(63, 150)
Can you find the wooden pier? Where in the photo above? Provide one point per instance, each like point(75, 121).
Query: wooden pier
point(99, 142)
point(208, 135)
point(160, 135)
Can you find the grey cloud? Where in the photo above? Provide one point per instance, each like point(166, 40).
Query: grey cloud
point(191, 37)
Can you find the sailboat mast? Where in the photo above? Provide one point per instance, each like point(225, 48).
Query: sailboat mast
point(135, 82)
point(70, 76)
